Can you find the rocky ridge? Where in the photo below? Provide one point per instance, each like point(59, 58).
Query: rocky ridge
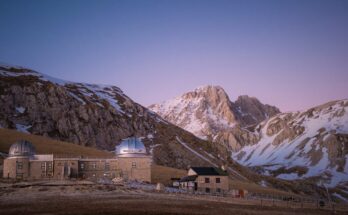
point(312, 144)
point(208, 113)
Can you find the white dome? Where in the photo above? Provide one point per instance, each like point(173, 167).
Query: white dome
point(131, 147)
point(22, 148)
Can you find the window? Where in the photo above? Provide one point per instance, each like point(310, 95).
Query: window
point(94, 165)
point(82, 165)
point(19, 165)
point(206, 180)
point(207, 190)
point(19, 176)
point(134, 165)
point(43, 166)
point(218, 190)
point(107, 166)
point(49, 166)
point(217, 180)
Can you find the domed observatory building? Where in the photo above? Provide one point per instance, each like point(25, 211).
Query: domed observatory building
point(23, 163)
point(133, 159)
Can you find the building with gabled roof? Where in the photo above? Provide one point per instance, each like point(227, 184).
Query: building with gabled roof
point(205, 179)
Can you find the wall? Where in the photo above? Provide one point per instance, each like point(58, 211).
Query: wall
point(98, 168)
point(136, 168)
point(41, 169)
point(10, 168)
point(223, 185)
point(65, 168)
point(132, 168)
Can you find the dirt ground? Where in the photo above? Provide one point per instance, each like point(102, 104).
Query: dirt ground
point(108, 199)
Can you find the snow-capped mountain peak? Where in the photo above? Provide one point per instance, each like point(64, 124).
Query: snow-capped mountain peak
point(202, 111)
point(208, 111)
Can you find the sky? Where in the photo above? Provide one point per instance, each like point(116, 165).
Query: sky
point(291, 54)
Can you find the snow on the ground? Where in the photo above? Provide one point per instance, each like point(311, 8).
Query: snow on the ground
point(152, 147)
point(340, 197)
point(106, 92)
point(23, 128)
point(290, 153)
point(290, 176)
point(103, 94)
point(20, 109)
point(263, 183)
point(191, 115)
point(77, 98)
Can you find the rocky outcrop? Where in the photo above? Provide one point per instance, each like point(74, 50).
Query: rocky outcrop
point(208, 113)
point(204, 111)
point(252, 111)
point(315, 140)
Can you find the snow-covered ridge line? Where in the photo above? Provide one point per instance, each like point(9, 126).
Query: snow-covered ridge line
point(106, 92)
point(301, 145)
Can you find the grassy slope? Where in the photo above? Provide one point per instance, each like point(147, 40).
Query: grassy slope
point(45, 145)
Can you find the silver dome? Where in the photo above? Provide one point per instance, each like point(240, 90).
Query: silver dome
point(131, 147)
point(22, 148)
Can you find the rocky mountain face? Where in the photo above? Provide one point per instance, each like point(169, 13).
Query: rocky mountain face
point(310, 145)
point(251, 111)
point(204, 111)
point(97, 116)
point(302, 145)
point(208, 113)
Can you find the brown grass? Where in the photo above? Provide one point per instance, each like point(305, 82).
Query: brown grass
point(163, 174)
point(45, 145)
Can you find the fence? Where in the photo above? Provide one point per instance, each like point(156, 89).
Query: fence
point(267, 200)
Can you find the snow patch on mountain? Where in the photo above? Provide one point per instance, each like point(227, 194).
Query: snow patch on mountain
point(305, 142)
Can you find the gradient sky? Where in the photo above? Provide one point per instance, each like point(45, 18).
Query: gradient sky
point(292, 54)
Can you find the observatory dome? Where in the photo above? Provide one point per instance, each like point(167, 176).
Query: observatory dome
point(131, 147)
point(22, 148)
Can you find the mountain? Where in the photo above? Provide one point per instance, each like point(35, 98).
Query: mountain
point(203, 111)
point(251, 111)
point(208, 113)
point(309, 146)
point(98, 116)
point(312, 144)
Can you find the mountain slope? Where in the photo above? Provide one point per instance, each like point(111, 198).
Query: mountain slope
point(93, 115)
point(301, 145)
point(208, 113)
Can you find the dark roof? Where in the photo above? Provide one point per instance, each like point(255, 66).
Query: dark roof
point(209, 171)
point(188, 178)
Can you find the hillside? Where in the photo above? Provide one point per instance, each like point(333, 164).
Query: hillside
point(301, 145)
point(160, 173)
point(308, 148)
point(98, 116)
